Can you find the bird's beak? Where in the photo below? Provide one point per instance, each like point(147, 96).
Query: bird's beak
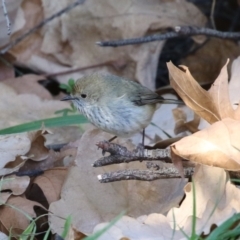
point(67, 98)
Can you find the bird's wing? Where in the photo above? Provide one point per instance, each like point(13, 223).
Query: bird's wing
point(146, 98)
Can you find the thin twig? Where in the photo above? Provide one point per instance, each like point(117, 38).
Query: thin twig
point(6, 17)
point(212, 14)
point(179, 31)
point(41, 24)
point(144, 175)
point(120, 154)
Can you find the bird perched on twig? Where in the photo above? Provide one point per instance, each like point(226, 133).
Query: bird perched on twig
point(114, 104)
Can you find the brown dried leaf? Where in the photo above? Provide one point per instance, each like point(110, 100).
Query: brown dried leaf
point(17, 148)
point(12, 146)
point(4, 196)
point(27, 107)
point(213, 105)
point(17, 185)
point(193, 95)
point(12, 218)
point(217, 145)
point(217, 199)
point(203, 63)
point(28, 84)
point(51, 183)
point(182, 125)
point(220, 94)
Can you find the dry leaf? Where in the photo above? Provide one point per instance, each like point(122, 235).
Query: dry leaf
point(217, 145)
point(154, 226)
point(17, 185)
point(91, 202)
point(28, 83)
point(12, 7)
point(51, 182)
point(17, 109)
point(11, 218)
point(203, 63)
point(182, 124)
point(216, 201)
point(69, 40)
point(213, 105)
point(17, 148)
point(4, 196)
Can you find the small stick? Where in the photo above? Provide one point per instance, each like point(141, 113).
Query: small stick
point(6, 17)
point(178, 31)
point(144, 175)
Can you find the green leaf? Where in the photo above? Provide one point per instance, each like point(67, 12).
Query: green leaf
point(49, 122)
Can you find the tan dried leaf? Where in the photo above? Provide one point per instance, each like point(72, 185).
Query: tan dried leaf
point(217, 145)
point(153, 226)
point(213, 105)
point(15, 149)
point(51, 182)
point(28, 83)
point(194, 96)
point(182, 124)
point(16, 109)
point(17, 185)
point(12, 218)
point(217, 199)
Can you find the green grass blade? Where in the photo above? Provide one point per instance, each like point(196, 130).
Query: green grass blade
point(49, 122)
point(223, 228)
point(97, 234)
point(194, 218)
point(67, 226)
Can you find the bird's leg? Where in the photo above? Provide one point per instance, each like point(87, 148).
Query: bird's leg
point(111, 139)
point(143, 136)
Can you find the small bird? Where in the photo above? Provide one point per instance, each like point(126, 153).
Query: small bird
point(116, 105)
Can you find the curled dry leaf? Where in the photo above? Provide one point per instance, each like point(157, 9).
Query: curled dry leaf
point(217, 199)
point(212, 105)
point(182, 124)
point(217, 145)
point(15, 149)
point(17, 185)
point(13, 219)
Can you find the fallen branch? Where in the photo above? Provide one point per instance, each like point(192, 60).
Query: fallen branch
point(120, 154)
point(144, 175)
point(178, 31)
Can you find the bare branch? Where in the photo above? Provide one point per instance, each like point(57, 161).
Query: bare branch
point(179, 31)
point(120, 154)
point(144, 175)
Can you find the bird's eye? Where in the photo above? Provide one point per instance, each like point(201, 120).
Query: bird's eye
point(83, 95)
